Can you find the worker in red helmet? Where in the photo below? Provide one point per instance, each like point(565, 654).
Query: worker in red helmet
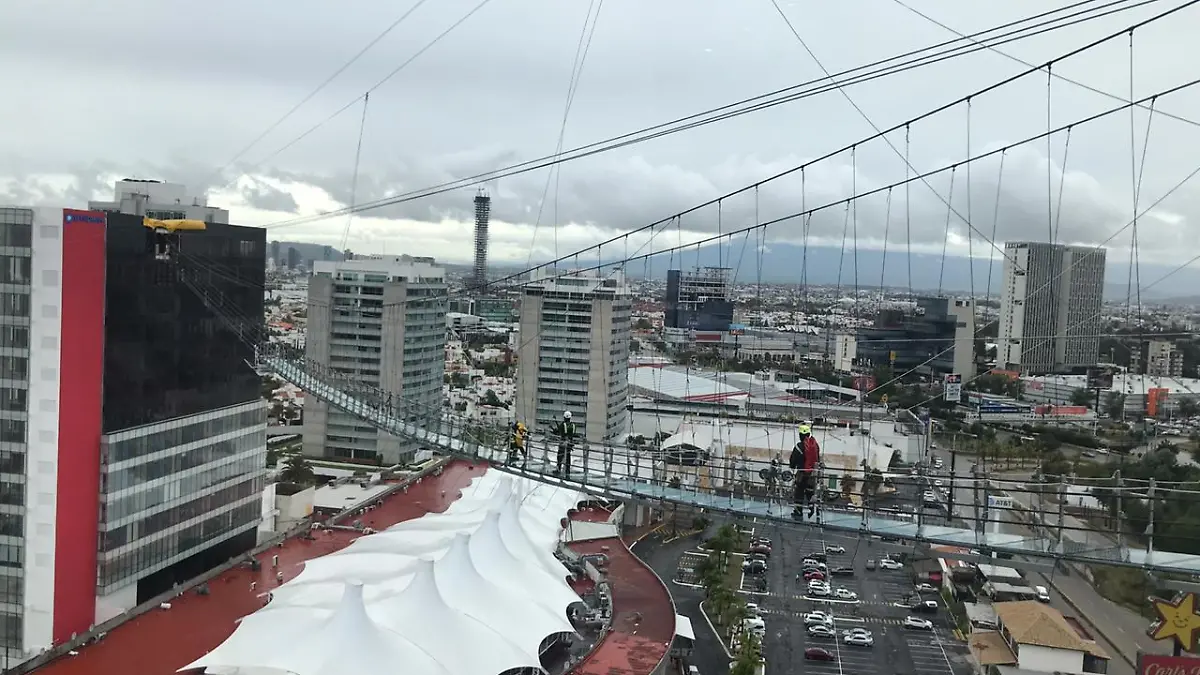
point(805, 461)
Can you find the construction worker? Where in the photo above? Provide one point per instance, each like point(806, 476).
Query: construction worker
point(517, 442)
point(805, 461)
point(564, 429)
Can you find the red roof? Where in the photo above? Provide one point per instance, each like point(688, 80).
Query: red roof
point(160, 642)
point(643, 614)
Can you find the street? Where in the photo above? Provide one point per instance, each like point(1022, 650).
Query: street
point(1119, 630)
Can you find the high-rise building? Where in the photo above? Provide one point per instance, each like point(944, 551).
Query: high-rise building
point(483, 213)
point(275, 254)
point(293, 258)
point(381, 322)
point(1050, 304)
point(699, 299)
point(160, 200)
point(936, 339)
point(132, 435)
point(573, 353)
point(1163, 359)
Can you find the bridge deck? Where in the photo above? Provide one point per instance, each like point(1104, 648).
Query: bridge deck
point(618, 472)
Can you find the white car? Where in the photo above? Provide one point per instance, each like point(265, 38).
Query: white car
point(819, 591)
point(835, 549)
point(856, 631)
point(918, 624)
point(859, 640)
point(817, 618)
point(845, 594)
point(821, 630)
point(925, 588)
point(753, 609)
point(889, 564)
point(755, 625)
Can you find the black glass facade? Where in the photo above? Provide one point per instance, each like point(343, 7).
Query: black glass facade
point(167, 354)
point(184, 451)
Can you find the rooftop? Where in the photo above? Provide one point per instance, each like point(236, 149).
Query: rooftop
point(162, 641)
point(1033, 623)
point(643, 614)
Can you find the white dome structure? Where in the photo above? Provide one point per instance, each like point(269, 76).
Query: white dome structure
point(475, 590)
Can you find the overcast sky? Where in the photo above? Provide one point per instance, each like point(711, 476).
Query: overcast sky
point(102, 90)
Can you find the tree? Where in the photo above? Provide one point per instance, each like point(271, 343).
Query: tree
point(296, 469)
point(1082, 397)
point(1187, 407)
point(643, 324)
point(748, 658)
point(490, 398)
point(1114, 405)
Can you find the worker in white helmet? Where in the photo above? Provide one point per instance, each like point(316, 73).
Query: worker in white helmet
point(565, 430)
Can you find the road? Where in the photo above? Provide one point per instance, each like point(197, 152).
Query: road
point(663, 558)
point(1118, 629)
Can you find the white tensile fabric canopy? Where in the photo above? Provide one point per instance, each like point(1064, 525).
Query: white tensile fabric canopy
point(471, 591)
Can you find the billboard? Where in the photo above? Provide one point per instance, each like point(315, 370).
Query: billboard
point(1156, 400)
point(737, 329)
point(1161, 664)
point(1099, 378)
point(952, 388)
point(864, 382)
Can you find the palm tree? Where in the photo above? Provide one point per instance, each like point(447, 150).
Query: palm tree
point(296, 469)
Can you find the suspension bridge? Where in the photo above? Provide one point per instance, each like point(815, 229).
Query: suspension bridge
point(1047, 532)
point(623, 473)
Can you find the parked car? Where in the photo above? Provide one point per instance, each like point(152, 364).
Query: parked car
point(889, 564)
point(814, 575)
point(842, 571)
point(835, 549)
point(845, 594)
point(820, 630)
point(755, 624)
point(871, 564)
point(917, 624)
point(764, 551)
point(859, 640)
point(753, 609)
point(819, 591)
point(754, 566)
point(926, 588)
point(857, 631)
point(818, 654)
point(813, 618)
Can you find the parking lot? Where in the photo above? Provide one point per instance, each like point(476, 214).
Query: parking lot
point(883, 597)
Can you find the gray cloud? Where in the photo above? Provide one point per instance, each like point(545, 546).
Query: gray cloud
point(262, 196)
point(492, 93)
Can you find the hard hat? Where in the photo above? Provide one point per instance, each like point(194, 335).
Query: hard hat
point(805, 430)
point(566, 414)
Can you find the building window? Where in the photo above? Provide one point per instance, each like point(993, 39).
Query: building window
point(14, 269)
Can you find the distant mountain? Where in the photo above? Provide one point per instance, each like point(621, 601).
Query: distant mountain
point(827, 265)
point(305, 251)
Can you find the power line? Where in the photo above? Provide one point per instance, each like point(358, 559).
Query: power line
point(320, 87)
point(395, 71)
point(816, 87)
point(1050, 72)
